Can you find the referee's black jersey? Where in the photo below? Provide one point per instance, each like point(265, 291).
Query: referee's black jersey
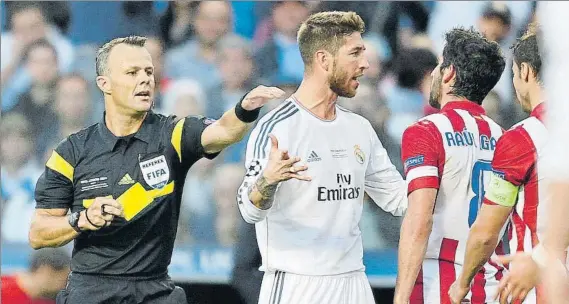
point(144, 172)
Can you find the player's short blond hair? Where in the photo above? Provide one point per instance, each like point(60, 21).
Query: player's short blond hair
point(326, 30)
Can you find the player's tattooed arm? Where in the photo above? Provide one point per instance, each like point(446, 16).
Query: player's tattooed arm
point(262, 193)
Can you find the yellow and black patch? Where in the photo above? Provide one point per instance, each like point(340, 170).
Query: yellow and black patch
point(60, 165)
point(136, 198)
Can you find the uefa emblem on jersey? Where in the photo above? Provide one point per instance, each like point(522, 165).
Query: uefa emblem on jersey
point(155, 172)
point(360, 156)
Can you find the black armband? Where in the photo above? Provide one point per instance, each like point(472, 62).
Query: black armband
point(244, 115)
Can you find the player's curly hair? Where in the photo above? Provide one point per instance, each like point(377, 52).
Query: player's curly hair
point(326, 30)
point(478, 62)
point(526, 49)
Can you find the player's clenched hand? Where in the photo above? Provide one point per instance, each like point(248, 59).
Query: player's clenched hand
point(457, 293)
point(280, 167)
point(259, 96)
point(100, 214)
point(523, 276)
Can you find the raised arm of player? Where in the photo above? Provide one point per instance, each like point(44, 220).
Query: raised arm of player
point(513, 158)
point(423, 157)
point(383, 183)
point(267, 165)
point(235, 123)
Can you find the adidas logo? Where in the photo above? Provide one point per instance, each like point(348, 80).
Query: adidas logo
point(313, 157)
point(126, 180)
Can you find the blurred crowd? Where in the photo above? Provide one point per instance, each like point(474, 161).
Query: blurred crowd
point(207, 55)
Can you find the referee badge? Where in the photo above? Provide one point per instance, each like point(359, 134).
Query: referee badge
point(360, 156)
point(155, 172)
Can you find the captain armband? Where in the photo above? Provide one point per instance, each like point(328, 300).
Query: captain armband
point(501, 191)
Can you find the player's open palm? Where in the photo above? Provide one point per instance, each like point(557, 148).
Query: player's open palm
point(260, 96)
point(281, 167)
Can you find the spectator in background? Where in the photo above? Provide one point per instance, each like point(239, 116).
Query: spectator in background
point(47, 274)
point(196, 58)
point(155, 47)
point(184, 97)
point(492, 104)
point(20, 172)
point(40, 59)
point(176, 25)
point(226, 181)
point(406, 100)
point(72, 108)
point(138, 17)
point(28, 25)
point(236, 67)
point(279, 58)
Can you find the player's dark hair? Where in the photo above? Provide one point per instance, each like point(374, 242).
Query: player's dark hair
point(326, 30)
point(411, 66)
point(105, 50)
point(526, 49)
point(56, 258)
point(478, 63)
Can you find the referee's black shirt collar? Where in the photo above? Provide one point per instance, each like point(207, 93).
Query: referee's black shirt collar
point(144, 133)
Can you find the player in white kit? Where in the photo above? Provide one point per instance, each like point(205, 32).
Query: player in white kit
point(307, 216)
point(517, 189)
point(546, 260)
point(447, 160)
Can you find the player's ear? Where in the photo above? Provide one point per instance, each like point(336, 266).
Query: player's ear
point(449, 73)
point(323, 59)
point(104, 84)
point(524, 71)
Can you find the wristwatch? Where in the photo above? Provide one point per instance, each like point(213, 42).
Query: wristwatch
point(73, 220)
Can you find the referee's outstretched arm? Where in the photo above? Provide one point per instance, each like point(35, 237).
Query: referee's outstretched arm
point(235, 123)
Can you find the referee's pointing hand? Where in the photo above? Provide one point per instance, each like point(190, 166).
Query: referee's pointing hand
point(281, 167)
point(102, 212)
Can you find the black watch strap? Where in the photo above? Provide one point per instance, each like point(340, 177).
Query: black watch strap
point(73, 220)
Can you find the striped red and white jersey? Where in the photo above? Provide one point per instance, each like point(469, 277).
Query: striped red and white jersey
point(452, 151)
point(518, 160)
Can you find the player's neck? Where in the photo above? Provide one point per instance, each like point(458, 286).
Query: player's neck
point(27, 285)
point(121, 124)
point(446, 98)
point(536, 96)
point(317, 98)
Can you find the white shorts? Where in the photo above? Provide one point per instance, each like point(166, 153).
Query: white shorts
point(436, 277)
point(287, 288)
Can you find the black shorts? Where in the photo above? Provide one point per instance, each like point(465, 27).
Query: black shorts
point(92, 289)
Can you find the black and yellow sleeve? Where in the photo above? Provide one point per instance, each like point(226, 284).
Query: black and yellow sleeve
point(54, 188)
point(186, 139)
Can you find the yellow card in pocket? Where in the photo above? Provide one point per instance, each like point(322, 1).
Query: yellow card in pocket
point(134, 200)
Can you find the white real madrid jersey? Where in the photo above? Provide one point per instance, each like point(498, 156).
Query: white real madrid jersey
point(312, 226)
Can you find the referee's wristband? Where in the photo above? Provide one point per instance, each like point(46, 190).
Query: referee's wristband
point(245, 115)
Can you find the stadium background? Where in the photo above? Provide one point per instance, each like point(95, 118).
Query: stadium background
point(207, 55)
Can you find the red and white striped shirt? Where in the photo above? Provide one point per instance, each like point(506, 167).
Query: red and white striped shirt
point(452, 151)
point(517, 159)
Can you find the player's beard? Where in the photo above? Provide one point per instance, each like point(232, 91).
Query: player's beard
point(340, 82)
point(436, 88)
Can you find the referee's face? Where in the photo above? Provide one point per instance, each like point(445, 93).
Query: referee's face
point(131, 75)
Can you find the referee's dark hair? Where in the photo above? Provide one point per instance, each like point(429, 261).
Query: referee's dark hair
point(56, 258)
point(105, 50)
point(526, 49)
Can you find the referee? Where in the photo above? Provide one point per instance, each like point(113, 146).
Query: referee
point(115, 187)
